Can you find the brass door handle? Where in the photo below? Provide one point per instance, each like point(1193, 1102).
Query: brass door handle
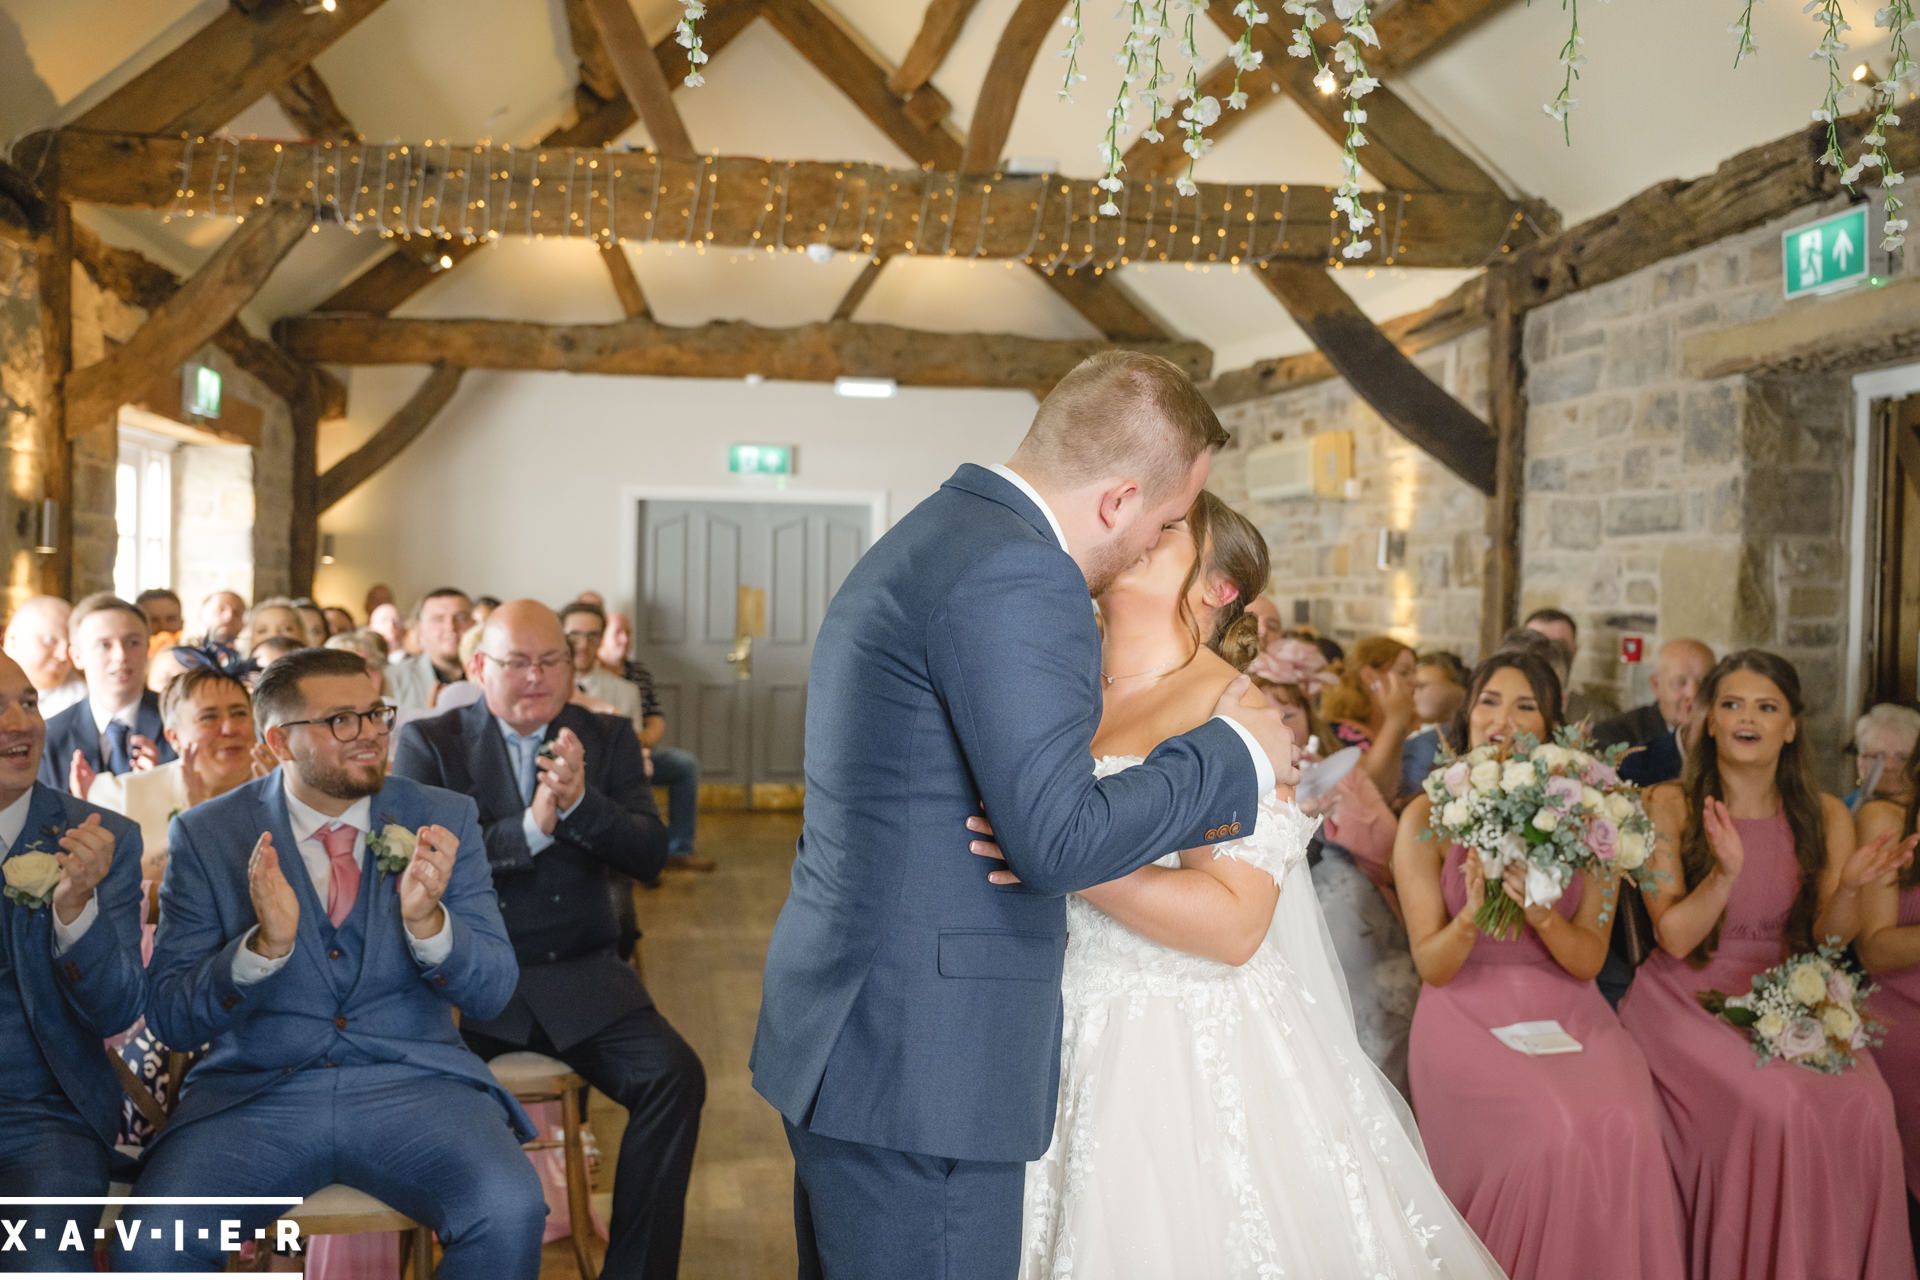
point(741, 657)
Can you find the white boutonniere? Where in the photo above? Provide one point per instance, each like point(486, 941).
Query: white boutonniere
point(392, 847)
point(31, 877)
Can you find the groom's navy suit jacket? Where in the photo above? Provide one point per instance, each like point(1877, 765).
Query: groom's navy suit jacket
point(909, 1004)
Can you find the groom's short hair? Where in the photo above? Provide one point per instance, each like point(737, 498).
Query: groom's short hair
point(1123, 412)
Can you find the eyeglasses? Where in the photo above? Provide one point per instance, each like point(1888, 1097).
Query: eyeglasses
point(519, 664)
point(348, 725)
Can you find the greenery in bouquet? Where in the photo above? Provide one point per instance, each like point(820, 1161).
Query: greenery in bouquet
point(1809, 1010)
point(1556, 808)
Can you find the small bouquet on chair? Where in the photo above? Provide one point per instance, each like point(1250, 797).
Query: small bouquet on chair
point(1557, 808)
point(1810, 1010)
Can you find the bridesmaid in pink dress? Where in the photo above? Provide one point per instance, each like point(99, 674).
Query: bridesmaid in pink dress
point(1786, 1174)
point(1556, 1161)
point(1889, 946)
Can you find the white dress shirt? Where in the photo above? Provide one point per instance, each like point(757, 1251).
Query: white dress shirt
point(1263, 768)
point(538, 841)
point(250, 966)
point(13, 821)
point(128, 715)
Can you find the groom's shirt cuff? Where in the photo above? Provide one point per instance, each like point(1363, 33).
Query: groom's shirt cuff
point(1262, 767)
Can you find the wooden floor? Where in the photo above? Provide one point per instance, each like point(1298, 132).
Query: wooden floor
point(706, 939)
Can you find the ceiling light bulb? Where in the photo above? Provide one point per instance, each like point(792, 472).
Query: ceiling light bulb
point(446, 261)
point(328, 6)
point(865, 388)
point(1861, 72)
point(820, 253)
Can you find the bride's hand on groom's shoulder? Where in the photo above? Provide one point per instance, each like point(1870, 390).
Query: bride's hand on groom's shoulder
point(1255, 712)
point(984, 847)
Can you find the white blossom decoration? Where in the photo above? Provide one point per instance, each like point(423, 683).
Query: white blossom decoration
point(686, 34)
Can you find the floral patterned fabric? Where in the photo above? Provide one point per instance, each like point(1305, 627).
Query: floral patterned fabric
point(1224, 1121)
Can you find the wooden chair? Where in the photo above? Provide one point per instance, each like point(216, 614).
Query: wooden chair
point(534, 1078)
point(331, 1211)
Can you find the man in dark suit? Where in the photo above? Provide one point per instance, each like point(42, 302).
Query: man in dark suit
point(70, 976)
point(116, 728)
point(564, 801)
point(1679, 669)
point(910, 1024)
point(318, 927)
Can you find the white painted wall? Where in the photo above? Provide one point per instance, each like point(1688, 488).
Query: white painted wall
point(516, 489)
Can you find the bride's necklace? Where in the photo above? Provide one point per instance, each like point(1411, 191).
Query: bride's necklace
point(1147, 675)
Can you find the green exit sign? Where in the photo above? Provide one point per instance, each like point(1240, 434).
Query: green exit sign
point(760, 459)
point(1829, 255)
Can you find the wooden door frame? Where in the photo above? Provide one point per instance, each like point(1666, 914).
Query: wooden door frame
point(1866, 520)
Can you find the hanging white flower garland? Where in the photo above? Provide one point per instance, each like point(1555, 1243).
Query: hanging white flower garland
point(686, 34)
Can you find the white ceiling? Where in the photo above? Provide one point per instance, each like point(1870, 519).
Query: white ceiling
point(1660, 99)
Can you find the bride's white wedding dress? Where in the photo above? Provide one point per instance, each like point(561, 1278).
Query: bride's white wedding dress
point(1218, 1122)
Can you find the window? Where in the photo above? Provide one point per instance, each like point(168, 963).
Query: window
point(143, 513)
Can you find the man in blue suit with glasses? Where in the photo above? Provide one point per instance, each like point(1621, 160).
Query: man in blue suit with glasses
point(318, 927)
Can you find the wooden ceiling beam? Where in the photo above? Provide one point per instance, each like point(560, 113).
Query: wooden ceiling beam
point(407, 269)
point(596, 69)
point(641, 78)
point(181, 325)
point(386, 444)
point(857, 292)
point(1432, 229)
point(809, 353)
point(1403, 150)
point(141, 283)
point(1399, 391)
point(309, 104)
point(626, 285)
point(1007, 76)
point(225, 67)
point(938, 30)
point(839, 55)
point(1459, 313)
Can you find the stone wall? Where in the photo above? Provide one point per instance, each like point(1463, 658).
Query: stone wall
point(1325, 551)
point(1656, 503)
point(236, 508)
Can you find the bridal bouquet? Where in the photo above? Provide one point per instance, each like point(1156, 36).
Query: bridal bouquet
point(1810, 1010)
point(1557, 808)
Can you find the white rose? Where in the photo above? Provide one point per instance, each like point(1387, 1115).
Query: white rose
point(1456, 814)
point(1518, 775)
point(1771, 1025)
point(1485, 777)
point(1546, 820)
point(1633, 851)
point(1841, 1022)
point(1553, 757)
point(1807, 984)
point(1619, 807)
point(397, 846)
point(1591, 801)
point(33, 875)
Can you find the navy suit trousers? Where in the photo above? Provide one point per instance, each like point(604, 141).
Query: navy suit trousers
point(435, 1148)
point(867, 1213)
point(49, 1151)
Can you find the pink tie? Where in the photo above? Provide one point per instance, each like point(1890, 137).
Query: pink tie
point(337, 838)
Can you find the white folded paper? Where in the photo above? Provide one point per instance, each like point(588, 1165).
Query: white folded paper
point(1537, 1039)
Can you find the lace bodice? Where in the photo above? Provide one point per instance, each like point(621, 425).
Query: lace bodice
point(1104, 952)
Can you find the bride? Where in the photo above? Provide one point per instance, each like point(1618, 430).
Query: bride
point(1217, 1116)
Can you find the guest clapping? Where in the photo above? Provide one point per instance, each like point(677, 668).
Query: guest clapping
point(1372, 707)
point(117, 727)
point(1889, 946)
point(1784, 1172)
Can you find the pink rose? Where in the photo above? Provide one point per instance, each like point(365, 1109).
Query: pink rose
point(1455, 778)
point(1601, 776)
point(1840, 988)
point(1603, 839)
point(1802, 1039)
point(1563, 793)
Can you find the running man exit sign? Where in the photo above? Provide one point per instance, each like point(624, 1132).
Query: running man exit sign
point(1828, 255)
point(760, 460)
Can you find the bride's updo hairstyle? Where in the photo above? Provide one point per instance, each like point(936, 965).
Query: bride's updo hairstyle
point(1228, 545)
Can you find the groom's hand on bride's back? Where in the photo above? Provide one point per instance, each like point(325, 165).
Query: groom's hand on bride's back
point(1253, 711)
point(986, 848)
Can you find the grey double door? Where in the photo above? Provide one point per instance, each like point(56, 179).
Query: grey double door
point(694, 559)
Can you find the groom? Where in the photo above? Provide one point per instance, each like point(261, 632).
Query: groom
point(910, 1025)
